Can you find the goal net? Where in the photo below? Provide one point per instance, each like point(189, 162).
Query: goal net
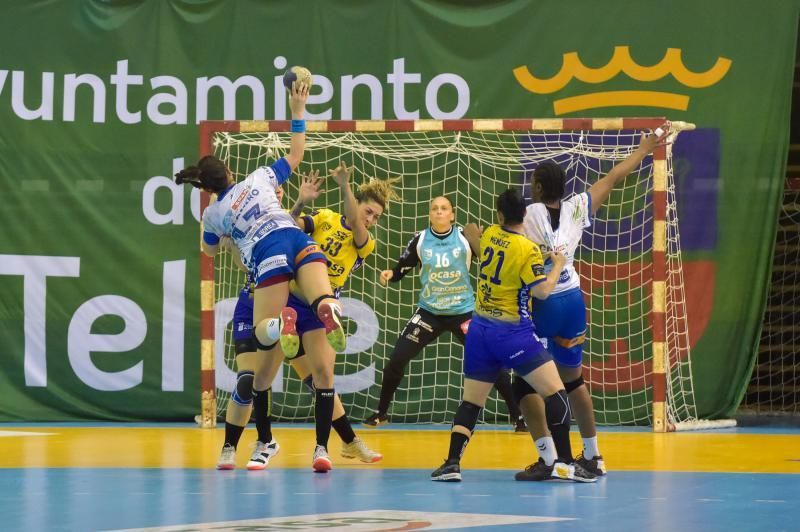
point(637, 359)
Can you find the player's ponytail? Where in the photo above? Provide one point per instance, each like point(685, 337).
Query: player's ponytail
point(381, 191)
point(552, 178)
point(210, 174)
point(511, 205)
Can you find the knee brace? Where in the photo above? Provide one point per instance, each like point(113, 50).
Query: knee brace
point(556, 408)
point(248, 345)
point(467, 415)
point(266, 333)
point(574, 385)
point(521, 388)
point(263, 347)
point(243, 391)
point(308, 382)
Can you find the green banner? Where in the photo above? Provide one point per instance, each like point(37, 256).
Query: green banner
point(99, 104)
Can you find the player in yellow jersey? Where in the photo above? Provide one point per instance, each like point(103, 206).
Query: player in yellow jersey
point(346, 242)
point(243, 401)
point(502, 335)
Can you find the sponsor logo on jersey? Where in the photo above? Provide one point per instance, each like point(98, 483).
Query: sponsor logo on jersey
point(278, 261)
point(264, 229)
point(428, 253)
point(445, 277)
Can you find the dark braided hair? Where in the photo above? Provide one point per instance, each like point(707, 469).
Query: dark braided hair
point(209, 174)
point(551, 176)
point(512, 206)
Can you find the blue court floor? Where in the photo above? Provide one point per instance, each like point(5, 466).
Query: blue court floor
point(363, 497)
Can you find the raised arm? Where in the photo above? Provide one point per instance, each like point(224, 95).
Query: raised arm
point(341, 174)
point(297, 102)
point(407, 261)
point(600, 191)
point(472, 232)
point(309, 191)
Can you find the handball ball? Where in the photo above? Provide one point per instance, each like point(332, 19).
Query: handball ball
point(296, 73)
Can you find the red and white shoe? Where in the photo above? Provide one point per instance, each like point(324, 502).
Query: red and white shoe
point(227, 459)
point(290, 340)
point(321, 461)
point(330, 314)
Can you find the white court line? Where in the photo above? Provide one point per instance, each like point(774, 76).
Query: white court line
point(14, 433)
point(710, 500)
point(476, 495)
point(306, 493)
point(769, 500)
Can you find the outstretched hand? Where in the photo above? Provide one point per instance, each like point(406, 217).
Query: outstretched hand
point(659, 137)
point(386, 276)
point(341, 174)
point(298, 98)
point(310, 184)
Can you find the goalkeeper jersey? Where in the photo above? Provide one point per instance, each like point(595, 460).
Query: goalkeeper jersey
point(445, 258)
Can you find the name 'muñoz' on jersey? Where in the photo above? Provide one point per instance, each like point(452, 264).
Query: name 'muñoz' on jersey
point(510, 265)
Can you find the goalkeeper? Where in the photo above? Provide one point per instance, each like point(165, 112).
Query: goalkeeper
point(446, 301)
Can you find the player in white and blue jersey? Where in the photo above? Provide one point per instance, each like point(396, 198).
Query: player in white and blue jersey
point(556, 224)
point(277, 251)
point(446, 302)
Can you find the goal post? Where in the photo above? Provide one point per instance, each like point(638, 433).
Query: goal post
point(637, 356)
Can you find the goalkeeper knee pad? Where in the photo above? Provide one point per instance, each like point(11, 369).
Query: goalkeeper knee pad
point(556, 408)
point(521, 388)
point(243, 392)
point(467, 415)
point(574, 385)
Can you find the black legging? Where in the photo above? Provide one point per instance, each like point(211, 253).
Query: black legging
point(422, 329)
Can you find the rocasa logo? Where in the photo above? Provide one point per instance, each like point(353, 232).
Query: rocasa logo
point(621, 61)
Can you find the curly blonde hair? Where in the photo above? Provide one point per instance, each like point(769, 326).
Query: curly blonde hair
point(381, 191)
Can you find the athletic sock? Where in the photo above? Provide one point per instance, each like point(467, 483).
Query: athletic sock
point(547, 450)
point(590, 449)
point(344, 429)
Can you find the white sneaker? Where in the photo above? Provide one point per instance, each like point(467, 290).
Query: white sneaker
point(572, 472)
point(227, 459)
point(321, 461)
point(261, 455)
point(358, 449)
